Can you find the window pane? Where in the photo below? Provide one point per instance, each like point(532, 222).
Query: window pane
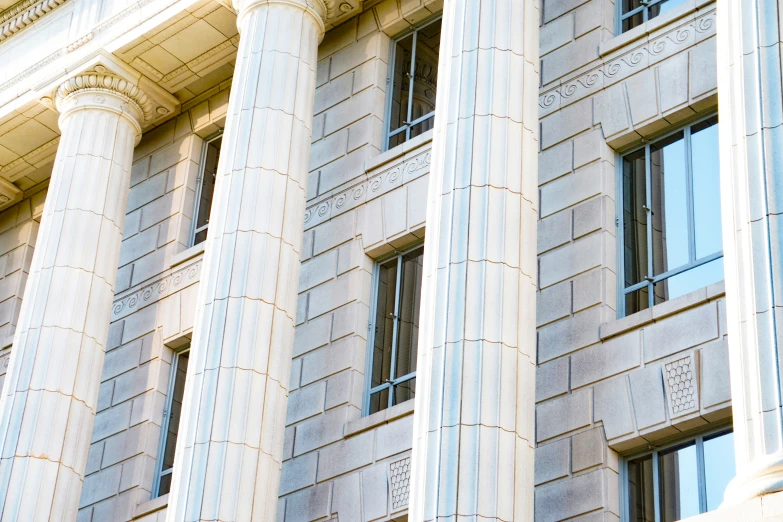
point(175, 410)
point(410, 301)
point(641, 503)
point(165, 485)
point(718, 467)
point(403, 53)
point(426, 72)
point(633, 21)
point(384, 323)
point(630, 5)
point(207, 188)
point(637, 301)
point(379, 400)
point(662, 7)
point(679, 483)
point(706, 187)
point(689, 281)
point(634, 217)
point(405, 391)
point(669, 204)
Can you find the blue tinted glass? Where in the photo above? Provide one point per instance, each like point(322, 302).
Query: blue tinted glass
point(718, 467)
point(669, 191)
point(679, 484)
point(689, 281)
point(706, 188)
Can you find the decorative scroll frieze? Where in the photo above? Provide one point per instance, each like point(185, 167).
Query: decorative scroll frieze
point(369, 189)
point(156, 291)
point(682, 387)
point(400, 476)
point(25, 14)
point(624, 65)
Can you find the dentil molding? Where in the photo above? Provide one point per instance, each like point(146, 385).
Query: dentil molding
point(24, 14)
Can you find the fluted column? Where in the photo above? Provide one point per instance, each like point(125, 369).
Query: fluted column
point(473, 428)
point(51, 389)
point(228, 457)
point(751, 148)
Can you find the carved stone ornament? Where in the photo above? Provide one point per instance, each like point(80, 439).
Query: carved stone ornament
point(9, 194)
point(24, 14)
point(682, 385)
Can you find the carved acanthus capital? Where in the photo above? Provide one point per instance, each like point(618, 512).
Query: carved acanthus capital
point(327, 11)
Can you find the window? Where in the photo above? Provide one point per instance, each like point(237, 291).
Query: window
point(205, 188)
point(395, 331)
point(671, 241)
point(413, 78)
point(636, 12)
point(170, 424)
point(680, 481)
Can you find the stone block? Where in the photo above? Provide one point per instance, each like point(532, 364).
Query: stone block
point(715, 379)
point(121, 360)
point(568, 261)
point(555, 162)
point(320, 431)
point(318, 270)
point(563, 414)
point(298, 473)
point(327, 361)
point(332, 93)
point(347, 498)
point(310, 504)
point(334, 232)
point(356, 54)
point(649, 405)
point(328, 149)
point(589, 17)
point(553, 303)
point(613, 407)
point(589, 288)
point(554, 230)
point(570, 121)
point(394, 437)
point(588, 449)
point(552, 379)
point(145, 192)
point(556, 34)
point(570, 57)
point(552, 461)
point(606, 359)
point(101, 485)
point(343, 388)
point(568, 498)
point(703, 68)
point(569, 190)
point(306, 402)
point(588, 147)
point(673, 82)
point(588, 217)
point(346, 455)
point(567, 335)
point(642, 96)
point(375, 487)
point(678, 332)
point(611, 110)
point(354, 109)
point(312, 334)
point(111, 421)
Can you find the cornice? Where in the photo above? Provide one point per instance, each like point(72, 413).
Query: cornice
point(24, 14)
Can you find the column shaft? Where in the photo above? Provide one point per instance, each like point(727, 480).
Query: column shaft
point(751, 139)
point(228, 457)
point(51, 390)
point(473, 428)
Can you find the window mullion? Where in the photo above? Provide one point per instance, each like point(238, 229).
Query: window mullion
point(689, 196)
point(395, 330)
point(649, 214)
point(410, 85)
point(656, 487)
point(702, 474)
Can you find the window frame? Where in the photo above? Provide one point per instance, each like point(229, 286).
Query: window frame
point(394, 381)
point(644, 9)
point(654, 451)
point(164, 425)
point(202, 167)
point(388, 132)
point(651, 281)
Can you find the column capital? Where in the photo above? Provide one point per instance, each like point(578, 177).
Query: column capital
point(320, 9)
point(104, 91)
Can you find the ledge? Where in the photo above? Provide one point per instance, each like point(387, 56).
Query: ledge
point(398, 151)
point(641, 31)
point(151, 506)
point(660, 311)
point(188, 254)
point(379, 419)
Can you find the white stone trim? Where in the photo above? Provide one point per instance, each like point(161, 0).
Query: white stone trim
point(24, 15)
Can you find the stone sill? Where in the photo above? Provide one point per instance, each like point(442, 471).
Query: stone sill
point(188, 254)
point(151, 506)
point(647, 28)
point(660, 311)
point(398, 151)
point(379, 418)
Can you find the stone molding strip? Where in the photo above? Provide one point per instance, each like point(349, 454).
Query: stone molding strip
point(157, 290)
point(404, 171)
point(626, 64)
point(24, 15)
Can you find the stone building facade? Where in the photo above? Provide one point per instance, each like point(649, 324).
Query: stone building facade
point(390, 260)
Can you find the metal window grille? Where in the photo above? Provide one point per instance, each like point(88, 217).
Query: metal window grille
point(393, 331)
point(412, 82)
point(648, 278)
